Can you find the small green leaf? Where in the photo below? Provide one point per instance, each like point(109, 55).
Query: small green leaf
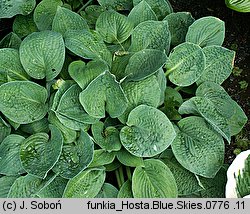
point(106, 137)
point(10, 8)
point(113, 27)
point(219, 64)
point(109, 96)
point(10, 163)
point(5, 129)
point(11, 40)
point(24, 25)
point(151, 35)
point(145, 183)
point(102, 157)
point(198, 148)
point(86, 184)
point(75, 157)
point(10, 66)
point(87, 45)
point(141, 13)
point(206, 31)
point(178, 24)
point(39, 154)
point(148, 132)
point(83, 73)
point(144, 64)
point(66, 20)
point(44, 13)
point(6, 182)
point(186, 64)
point(23, 101)
point(161, 7)
point(128, 159)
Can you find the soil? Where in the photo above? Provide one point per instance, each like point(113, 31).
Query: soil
point(238, 39)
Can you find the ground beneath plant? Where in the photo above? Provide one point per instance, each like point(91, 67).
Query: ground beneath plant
point(238, 39)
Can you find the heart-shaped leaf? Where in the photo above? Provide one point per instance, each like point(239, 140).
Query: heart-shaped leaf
point(23, 101)
point(148, 132)
point(42, 54)
point(109, 96)
point(107, 191)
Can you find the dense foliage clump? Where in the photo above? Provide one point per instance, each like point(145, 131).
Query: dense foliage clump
point(113, 98)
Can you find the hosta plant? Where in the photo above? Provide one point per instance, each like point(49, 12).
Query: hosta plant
point(113, 99)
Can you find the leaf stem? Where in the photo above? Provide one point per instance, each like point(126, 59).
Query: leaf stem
point(121, 175)
point(128, 173)
point(84, 6)
point(118, 178)
point(178, 88)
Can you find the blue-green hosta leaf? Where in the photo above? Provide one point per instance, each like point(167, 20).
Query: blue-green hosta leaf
point(36, 127)
point(28, 186)
point(144, 64)
point(11, 40)
point(148, 132)
point(178, 24)
point(11, 68)
point(153, 180)
point(128, 159)
point(66, 20)
point(23, 101)
point(106, 137)
point(55, 189)
point(239, 5)
point(102, 157)
point(87, 45)
point(238, 176)
point(161, 7)
point(205, 108)
point(119, 64)
point(126, 190)
point(44, 13)
point(198, 148)
point(107, 191)
point(70, 111)
point(69, 135)
point(139, 93)
point(109, 96)
point(6, 182)
point(24, 25)
point(186, 64)
point(113, 27)
point(42, 54)
point(75, 157)
point(86, 184)
point(5, 129)
point(112, 166)
point(39, 152)
point(10, 163)
point(238, 120)
point(219, 97)
point(162, 81)
point(116, 4)
point(219, 64)
point(151, 35)
point(141, 13)
point(187, 182)
point(83, 73)
point(206, 31)
point(10, 8)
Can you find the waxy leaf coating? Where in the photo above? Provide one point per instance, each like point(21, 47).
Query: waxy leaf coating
point(109, 96)
point(148, 132)
point(185, 64)
point(198, 148)
point(145, 183)
point(23, 101)
point(42, 54)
